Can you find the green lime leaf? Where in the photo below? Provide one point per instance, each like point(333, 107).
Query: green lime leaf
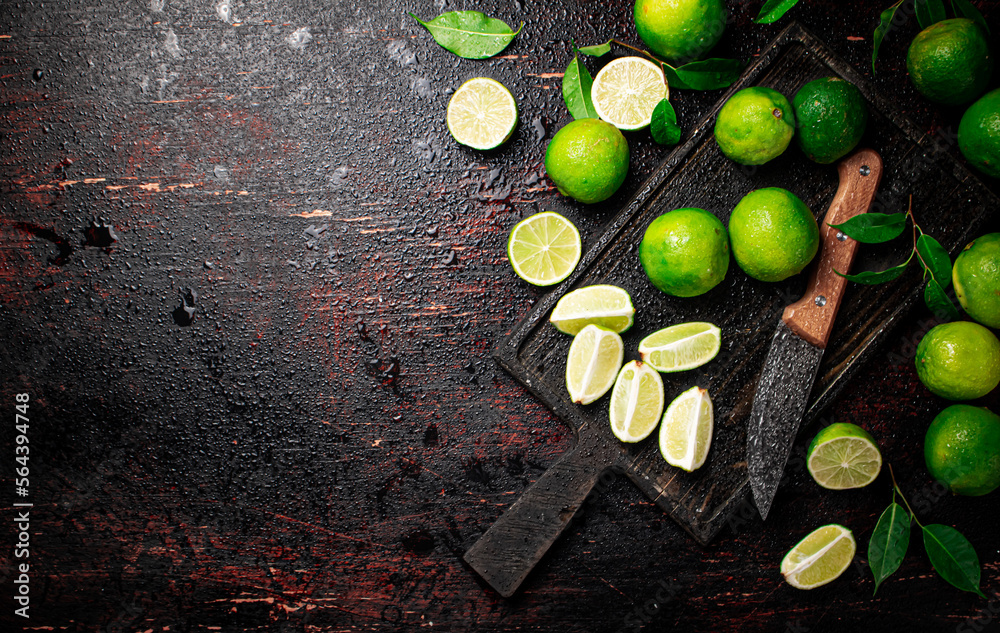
point(934, 259)
point(663, 127)
point(928, 12)
point(953, 557)
point(873, 228)
point(707, 74)
point(938, 301)
point(872, 277)
point(889, 542)
point(596, 50)
point(884, 24)
point(576, 90)
point(470, 34)
point(773, 10)
point(966, 9)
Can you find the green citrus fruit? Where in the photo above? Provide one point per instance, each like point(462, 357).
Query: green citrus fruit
point(979, 134)
point(685, 252)
point(962, 449)
point(842, 456)
point(680, 29)
point(755, 125)
point(959, 360)
point(831, 115)
point(976, 276)
point(950, 61)
point(774, 234)
point(587, 160)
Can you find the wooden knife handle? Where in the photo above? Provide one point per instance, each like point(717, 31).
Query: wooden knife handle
point(512, 546)
point(812, 316)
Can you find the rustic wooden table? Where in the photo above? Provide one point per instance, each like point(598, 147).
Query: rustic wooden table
point(317, 448)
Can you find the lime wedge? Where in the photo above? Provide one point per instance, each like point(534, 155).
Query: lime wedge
point(626, 91)
point(544, 248)
point(482, 113)
point(686, 432)
point(636, 402)
point(594, 359)
point(681, 347)
point(843, 456)
point(607, 306)
point(819, 558)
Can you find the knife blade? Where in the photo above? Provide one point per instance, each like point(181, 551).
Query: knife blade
point(803, 332)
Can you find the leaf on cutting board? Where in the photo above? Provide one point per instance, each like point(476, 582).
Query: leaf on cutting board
point(707, 74)
point(873, 277)
point(873, 228)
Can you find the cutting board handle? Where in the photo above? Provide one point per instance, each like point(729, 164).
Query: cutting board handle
point(812, 316)
point(505, 554)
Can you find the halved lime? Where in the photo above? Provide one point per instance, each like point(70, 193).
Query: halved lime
point(636, 402)
point(626, 91)
point(482, 113)
point(681, 347)
point(607, 306)
point(594, 359)
point(819, 558)
point(686, 431)
point(544, 248)
point(843, 456)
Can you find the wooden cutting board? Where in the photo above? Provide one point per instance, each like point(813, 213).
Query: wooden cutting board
point(949, 203)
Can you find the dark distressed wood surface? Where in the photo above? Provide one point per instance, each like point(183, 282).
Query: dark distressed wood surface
point(320, 446)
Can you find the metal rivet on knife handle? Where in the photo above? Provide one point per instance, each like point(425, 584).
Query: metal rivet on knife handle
point(810, 319)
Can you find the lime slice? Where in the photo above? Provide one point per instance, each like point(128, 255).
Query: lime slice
point(843, 456)
point(607, 306)
point(544, 248)
point(819, 558)
point(594, 359)
point(636, 402)
point(482, 113)
point(681, 347)
point(686, 432)
point(626, 91)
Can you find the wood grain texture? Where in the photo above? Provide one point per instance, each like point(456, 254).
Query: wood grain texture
point(812, 317)
point(329, 436)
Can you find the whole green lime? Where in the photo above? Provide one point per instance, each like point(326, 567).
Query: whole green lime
point(685, 252)
point(680, 30)
point(950, 61)
point(976, 276)
point(774, 234)
point(587, 160)
point(962, 449)
point(831, 115)
point(979, 134)
point(959, 360)
point(755, 125)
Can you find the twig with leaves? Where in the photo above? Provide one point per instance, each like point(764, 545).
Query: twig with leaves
point(951, 554)
point(707, 74)
point(876, 228)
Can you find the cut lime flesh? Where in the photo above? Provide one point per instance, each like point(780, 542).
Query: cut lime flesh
point(686, 430)
point(819, 558)
point(626, 91)
point(681, 347)
point(636, 402)
point(593, 363)
point(845, 462)
point(544, 248)
point(482, 113)
point(607, 306)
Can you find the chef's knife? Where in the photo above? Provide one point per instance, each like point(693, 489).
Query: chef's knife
point(803, 332)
